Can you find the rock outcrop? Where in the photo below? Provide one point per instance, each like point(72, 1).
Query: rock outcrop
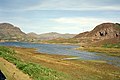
point(105, 31)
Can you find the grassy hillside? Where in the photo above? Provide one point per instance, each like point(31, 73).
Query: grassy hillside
point(36, 71)
point(117, 45)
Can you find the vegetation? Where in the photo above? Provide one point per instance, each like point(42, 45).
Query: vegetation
point(109, 51)
point(36, 71)
point(117, 45)
point(75, 69)
point(61, 40)
point(58, 69)
point(118, 25)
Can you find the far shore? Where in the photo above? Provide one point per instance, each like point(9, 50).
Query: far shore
point(77, 44)
point(107, 51)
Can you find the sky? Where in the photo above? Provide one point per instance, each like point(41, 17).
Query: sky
point(62, 16)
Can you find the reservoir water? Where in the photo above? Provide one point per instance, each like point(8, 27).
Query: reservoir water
point(66, 50)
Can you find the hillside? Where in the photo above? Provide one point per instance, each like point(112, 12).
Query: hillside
point(9, 32)
point(103, 33)
point(54, 35)
point(33, 35)
point(49, 36)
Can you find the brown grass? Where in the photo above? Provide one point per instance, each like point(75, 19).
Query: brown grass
point(108, 51)
point(76, 69)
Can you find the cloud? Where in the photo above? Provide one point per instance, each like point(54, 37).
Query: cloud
point(76, 5)
point(80, 20)
point(25, 5)
point(80, 23)
point(64, 29)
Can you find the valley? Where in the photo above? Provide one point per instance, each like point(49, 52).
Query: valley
point(92, 55)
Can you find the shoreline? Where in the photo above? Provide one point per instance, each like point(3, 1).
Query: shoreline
point(76, 69)
point(44, 43)
point(108, 51)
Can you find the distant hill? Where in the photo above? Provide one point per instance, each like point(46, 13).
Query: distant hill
point(10, 32)
point(54, 35)
point(102, 33)
point(50, 36)
point(33, 35)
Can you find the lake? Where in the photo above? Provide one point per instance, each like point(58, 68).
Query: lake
point(66, 50)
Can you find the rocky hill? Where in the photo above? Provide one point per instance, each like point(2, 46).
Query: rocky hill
point(106, 32)
point(33, 35)
point(50, 36)
point(9, 32)
point(101, 33)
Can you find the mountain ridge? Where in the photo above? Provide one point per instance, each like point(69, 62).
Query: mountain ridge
point(9, 32)
point(105, 32)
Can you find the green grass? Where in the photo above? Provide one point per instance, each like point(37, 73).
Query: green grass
point(105, 50)
point(36, 71)
point(61, 40)
point(117, 45)
point(6, 50)
point(118, 25)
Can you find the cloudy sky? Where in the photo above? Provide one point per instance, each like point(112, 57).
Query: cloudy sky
point(63, 16)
